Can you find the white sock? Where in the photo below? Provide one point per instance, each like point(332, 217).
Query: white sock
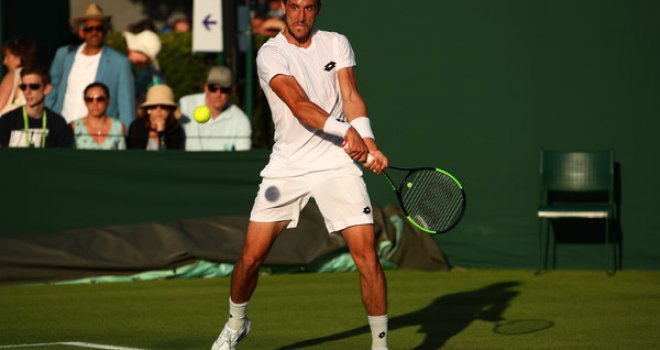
point(237, 315)
point(378, 325)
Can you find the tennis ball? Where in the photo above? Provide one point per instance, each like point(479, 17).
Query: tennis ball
point(202, 114)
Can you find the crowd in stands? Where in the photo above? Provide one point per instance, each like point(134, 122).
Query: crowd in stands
point(94, 97)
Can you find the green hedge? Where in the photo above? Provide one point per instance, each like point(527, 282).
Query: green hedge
point(184, 70)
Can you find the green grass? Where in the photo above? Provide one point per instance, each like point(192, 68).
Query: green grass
point(428, 310)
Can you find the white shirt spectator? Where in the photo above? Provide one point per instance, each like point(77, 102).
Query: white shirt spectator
point(230, 131)
point(83, 73)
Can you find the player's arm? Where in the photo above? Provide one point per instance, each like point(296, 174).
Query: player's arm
point(356, 113)
point(310, 114)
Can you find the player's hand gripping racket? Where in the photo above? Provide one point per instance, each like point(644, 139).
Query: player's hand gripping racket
point(432, 199)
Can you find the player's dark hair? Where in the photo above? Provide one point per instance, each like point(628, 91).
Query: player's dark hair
point(38, 70)
point(98, 85)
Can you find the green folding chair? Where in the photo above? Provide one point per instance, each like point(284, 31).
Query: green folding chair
point(578, 185)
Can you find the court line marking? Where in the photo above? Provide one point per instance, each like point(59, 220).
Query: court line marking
point(71, 343)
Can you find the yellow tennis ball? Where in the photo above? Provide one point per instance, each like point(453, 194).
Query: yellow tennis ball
point(202, 114)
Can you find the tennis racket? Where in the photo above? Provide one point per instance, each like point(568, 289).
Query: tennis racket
point(432, 199)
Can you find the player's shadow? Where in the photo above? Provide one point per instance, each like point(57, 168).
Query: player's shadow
point(444, 318)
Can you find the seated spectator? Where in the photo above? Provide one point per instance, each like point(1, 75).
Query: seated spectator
point(16, 52)
point(228, 129)
point(181, 25)
point(143, 49)
point(97, 130)
point(177, 23)
point(267, 26)
point(34, 125)
point(269, 18)
point(157, 126)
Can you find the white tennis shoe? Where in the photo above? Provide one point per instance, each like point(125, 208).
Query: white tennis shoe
point(229, 338)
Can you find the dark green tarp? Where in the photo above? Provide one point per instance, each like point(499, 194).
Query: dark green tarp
point(130, 249)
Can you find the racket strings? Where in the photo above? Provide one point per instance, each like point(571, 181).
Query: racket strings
point(432, 199)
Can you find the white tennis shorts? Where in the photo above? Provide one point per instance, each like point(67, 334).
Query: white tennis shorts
point(342, 199)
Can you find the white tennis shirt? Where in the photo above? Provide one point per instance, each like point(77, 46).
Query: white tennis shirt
point(298, 149)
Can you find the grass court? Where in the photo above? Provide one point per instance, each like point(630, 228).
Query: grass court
point(472, 309)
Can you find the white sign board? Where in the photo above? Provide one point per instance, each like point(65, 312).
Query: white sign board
point(207, 26)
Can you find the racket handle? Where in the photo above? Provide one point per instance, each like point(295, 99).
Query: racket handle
point(345, 145)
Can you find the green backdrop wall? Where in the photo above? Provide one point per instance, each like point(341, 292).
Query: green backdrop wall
point(475, 87)
point(479, 87)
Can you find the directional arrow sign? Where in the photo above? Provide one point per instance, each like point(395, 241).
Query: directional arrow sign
point(207, 26)
point(208, 22)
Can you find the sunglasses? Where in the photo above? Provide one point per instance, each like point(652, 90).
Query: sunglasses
point(89, 29)
point(166, 107)
point(90, 99)
point(24, 87)
point(214, 88)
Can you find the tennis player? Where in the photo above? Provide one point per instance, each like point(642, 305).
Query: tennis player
point(307, 76)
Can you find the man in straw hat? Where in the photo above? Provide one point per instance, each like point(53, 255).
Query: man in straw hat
point(74, 68)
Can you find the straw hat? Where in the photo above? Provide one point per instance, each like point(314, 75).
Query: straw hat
point(146, 42)
point(93, 11)
point(161, 95)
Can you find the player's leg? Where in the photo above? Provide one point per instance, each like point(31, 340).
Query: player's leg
point(344, 202)
point(373, 286)
point(258, 241)
point(360, 241)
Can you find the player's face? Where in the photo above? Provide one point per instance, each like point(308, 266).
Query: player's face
point(300, 16)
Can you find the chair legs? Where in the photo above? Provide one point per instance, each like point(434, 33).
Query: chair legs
point(544, 243)
point(611, 251)
point(612, 248)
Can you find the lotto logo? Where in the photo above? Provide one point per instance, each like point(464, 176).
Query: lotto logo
point(330, 66)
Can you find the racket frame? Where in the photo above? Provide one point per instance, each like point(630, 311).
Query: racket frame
point(398, 191)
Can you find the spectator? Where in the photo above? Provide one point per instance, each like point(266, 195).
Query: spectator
point(143, 49)
point(269, 19)
point(178, 23)
point(97, 130)
point(34, 125)
point(17, 52)
point(228, 129)
point(157, 126)
point(181, 26)
point(74, 68)
point(267, 26)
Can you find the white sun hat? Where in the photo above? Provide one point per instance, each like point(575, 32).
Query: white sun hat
point(146, 42)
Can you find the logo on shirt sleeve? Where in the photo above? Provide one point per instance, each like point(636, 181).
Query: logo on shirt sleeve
point(330, 66)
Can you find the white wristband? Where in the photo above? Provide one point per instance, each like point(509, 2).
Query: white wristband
point(363, 126)
point(334, 127)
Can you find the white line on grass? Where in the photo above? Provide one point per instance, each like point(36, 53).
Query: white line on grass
point(70, 343)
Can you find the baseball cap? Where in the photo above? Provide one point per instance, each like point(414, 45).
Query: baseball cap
point(219, 75)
